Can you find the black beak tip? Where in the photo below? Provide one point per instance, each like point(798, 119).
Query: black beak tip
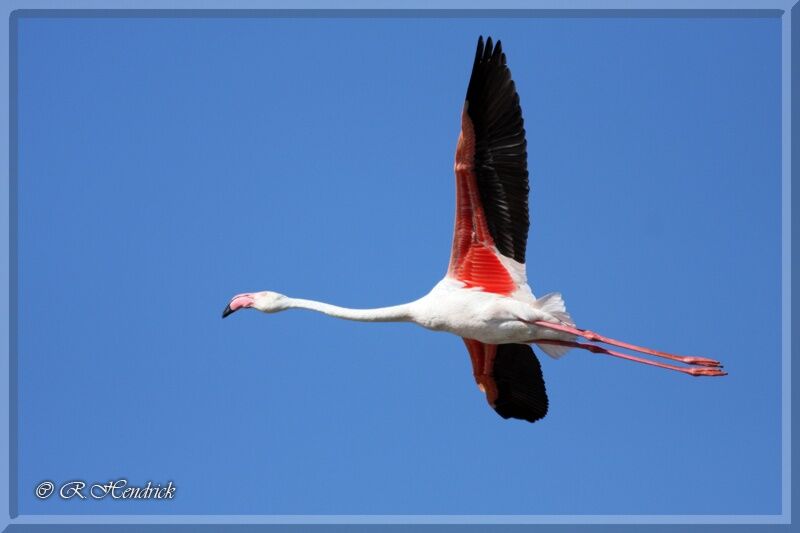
point(227, 311)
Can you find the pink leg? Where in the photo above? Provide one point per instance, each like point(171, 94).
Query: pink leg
point(592, 336)
point(692, 371)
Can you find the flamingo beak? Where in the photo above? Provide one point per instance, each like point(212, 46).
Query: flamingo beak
point(240, 301)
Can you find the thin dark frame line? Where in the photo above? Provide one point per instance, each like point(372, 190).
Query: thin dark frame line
point(723, 13)
point(13, 272)
point(398, 13)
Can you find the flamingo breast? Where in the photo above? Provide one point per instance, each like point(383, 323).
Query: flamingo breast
point(471, 313)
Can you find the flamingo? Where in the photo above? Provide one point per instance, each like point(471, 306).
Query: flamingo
point(485, 298)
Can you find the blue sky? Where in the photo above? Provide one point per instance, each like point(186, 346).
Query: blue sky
point(167, 164)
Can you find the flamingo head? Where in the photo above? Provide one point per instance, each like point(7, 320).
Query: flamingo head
point(264, 301)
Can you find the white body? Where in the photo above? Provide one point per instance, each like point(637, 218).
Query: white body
point(487, 317)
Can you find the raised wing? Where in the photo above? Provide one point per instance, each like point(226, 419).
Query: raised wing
point(491, 177)
point(511, 377)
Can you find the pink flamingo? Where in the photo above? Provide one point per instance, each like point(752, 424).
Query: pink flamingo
point(485, 297)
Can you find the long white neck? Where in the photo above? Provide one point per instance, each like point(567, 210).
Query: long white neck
point(395, 313)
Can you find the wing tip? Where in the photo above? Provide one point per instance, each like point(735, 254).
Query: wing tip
point(489, 51)
point(522, 393)
point(489, 57)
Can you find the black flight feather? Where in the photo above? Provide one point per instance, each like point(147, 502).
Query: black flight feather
point(520, 385)
point(501, 158)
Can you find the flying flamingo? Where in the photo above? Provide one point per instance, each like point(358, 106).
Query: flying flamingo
point(485, 297)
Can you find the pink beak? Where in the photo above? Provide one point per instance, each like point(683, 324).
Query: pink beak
point(240, 301)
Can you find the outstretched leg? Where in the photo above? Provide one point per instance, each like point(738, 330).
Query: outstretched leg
point(692, 371)
point(592, 336)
